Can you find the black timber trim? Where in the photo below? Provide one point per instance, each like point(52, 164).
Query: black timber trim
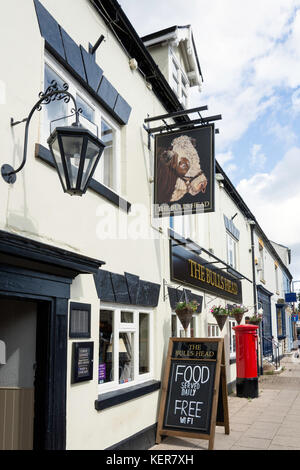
point(142, 440)
point(20, 251)
point(17, 280)
point(117, 397)
point(51, 375)
point(44, 154)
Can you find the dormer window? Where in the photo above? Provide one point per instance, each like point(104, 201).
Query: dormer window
point(173, 50)
point(178, 80)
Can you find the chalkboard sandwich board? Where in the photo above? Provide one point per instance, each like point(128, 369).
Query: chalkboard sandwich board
point(194, 390)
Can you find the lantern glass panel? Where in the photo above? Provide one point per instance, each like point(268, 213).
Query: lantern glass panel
point(57, 156)
point(72, 146)
point(92, 153)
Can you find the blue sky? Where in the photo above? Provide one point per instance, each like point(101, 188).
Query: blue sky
point(249, 53)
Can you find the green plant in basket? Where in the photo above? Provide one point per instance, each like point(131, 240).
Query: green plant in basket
point(181, 306)
point(219, 310)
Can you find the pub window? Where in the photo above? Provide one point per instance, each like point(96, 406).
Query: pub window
point(232, 343)
point(276, 279)
point(177, 330)
point(182, 225)
point(125, 347)
point(212, 330)
point(261, 262)
point(93, 117)
point(178, 80)
point(231, 251)
point(280, 315)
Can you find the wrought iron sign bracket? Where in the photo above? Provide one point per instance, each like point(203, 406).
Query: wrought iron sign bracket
point(165, 285)
point(185, 124)
point(51, 94)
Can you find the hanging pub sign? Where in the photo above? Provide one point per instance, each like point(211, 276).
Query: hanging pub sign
point(190, 269)
point(194, 391)
point(184, 172)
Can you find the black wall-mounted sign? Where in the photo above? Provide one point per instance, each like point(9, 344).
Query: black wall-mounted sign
point(83, 358)
point(190, 269)
point(190, 406)
point(184, 176)
point(80, 320)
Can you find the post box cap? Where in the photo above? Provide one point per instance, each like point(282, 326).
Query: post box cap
point(245, 328)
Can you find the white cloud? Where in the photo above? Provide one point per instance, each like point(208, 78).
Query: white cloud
point(257, 157)
point(224, 157)
point(250, 57)
point(296, 101)
point(246, 50)
point(274, 199)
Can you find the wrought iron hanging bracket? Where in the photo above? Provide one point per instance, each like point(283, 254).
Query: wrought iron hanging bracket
point(186, 124)
point(51, 94)
point(165, 285)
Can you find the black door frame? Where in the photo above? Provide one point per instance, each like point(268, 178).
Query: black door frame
point(264, 297)
point(30, 270)
point(51, 376)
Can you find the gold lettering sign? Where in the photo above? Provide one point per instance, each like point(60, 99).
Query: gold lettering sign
point(204, 274)
point(192, 270)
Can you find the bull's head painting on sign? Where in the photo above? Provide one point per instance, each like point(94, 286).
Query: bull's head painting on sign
point(184, 172)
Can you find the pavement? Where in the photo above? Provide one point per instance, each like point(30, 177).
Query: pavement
point(269, 422)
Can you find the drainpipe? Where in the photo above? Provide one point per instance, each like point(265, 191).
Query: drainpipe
point(252, 226)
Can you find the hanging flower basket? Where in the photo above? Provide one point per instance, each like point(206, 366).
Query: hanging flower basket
point(184, 311)
point(221, 315)
point(254, 320)
point(238, 316)
point(238, 312)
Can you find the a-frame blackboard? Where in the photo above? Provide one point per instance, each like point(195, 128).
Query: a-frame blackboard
point(194, 390)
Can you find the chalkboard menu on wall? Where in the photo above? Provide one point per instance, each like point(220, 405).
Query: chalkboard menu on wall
point(82, 368)
point(194, 398)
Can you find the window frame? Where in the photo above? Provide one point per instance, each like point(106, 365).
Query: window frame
point(230, 238)
point(276, 278)
point(99, 114)
point(232, 323)
point(119, 327)
point(180, 329)
point(262, 262)
point(182, 91)
point(215, 327)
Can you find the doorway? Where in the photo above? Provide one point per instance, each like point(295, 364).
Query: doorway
point(23, 331)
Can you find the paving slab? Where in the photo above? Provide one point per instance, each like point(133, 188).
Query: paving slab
point(269, 422)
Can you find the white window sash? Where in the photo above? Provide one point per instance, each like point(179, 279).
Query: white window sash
point(118, 328)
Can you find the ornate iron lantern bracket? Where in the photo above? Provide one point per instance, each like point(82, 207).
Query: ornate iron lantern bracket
point(51, 94)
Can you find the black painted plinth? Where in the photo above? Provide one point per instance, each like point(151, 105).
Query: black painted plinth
point(247, 388)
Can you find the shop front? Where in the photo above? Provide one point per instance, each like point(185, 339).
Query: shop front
point(35, 283)
point(194, 275)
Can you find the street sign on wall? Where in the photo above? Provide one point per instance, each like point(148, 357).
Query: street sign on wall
point(290, 297)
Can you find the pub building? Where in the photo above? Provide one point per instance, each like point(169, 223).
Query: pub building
point(90, 269)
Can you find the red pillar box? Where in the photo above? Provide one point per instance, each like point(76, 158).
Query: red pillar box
point(246, 361)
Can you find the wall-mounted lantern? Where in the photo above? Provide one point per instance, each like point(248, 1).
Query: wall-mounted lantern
point(75, 150)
